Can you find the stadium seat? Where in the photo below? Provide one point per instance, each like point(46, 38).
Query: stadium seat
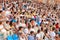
point(9, 37)
point(15, 37)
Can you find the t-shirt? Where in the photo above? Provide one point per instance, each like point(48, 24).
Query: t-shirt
point(7, 26)
point(22, 38)
point(21, 24)
point(13, 20)
point(41, 34)
point(1, 26)
point(8, 13)
point(38, 35)
point(46, 38)
point(26, 31)
point(31, 37)
point(52, 34)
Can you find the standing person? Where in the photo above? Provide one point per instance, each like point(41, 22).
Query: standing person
point(21, 29)
point(41, 34)
point(52, 34)
point(7, 26)
point(22, 36)
point(46, 37)
point(28, 29)
point(38, 35)
point(31, 36)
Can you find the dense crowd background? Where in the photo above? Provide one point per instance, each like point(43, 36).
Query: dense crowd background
point(29, 21)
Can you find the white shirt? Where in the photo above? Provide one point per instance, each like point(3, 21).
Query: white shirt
point(22, 38)
point(41, 34)
point(7, 26)
point(46, 38)
point(20, 24)
point(26, 31)
point(8, 13)
point(52, 34)
point(38, 35)
point(1, 26)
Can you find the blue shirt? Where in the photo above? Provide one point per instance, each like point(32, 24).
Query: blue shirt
point(31, 37)
point(13, 20)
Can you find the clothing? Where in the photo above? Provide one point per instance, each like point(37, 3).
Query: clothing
point(38, 35)
point(46, 38)
point(22, 38)
point(31, 37)
point(26, 31)
point(13, 20)
point(1, 36)
point(1, 26)
point(8, 13)
point(41, 34)
point(52, 34)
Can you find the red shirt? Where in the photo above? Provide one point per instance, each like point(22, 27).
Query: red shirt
point(57, 26)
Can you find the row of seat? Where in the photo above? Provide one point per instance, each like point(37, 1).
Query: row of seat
point(10, 37)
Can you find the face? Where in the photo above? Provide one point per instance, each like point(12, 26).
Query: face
point(31, 21)
point(22, 29)
point(33, 33)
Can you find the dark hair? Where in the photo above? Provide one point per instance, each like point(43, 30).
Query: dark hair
point(54, 8)
point(10, 23)
point(57, 23)
point(41, 28)
point(53, 28)
point(38, 31)
point(31, 20)
point(54, 23)
point(21, 17)
point(14, 12)
point(32, 26)
point(0, 11)
point(14, 17)
point(20, 27)
point(7, 21)
point(46, 30)
point(31, 32)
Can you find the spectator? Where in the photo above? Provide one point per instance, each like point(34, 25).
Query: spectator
point(31, 36)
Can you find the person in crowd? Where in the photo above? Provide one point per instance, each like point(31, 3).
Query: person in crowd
point(30, 20)
point(22, 36)
point(38, 35)
point(53, 34)
point(31, 36)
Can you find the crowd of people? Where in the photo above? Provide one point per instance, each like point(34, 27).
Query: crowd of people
point(29, 21)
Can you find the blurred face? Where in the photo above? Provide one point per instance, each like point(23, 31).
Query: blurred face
point(22, 29)
point(22, 35)
point(22, 21)
point(32, 21)
point(33, 33)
